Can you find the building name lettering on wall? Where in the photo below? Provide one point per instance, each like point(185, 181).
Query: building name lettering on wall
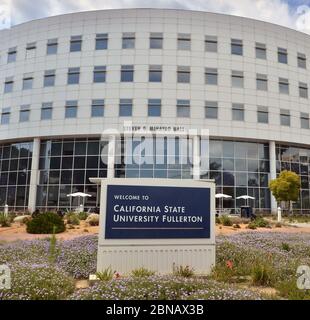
point(153, 128)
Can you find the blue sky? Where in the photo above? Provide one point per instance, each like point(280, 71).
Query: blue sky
point(283, 12)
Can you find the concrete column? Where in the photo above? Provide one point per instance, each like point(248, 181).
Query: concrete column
point(273, 172)
point(196, 157)
point(111, 156)
point(34, 175)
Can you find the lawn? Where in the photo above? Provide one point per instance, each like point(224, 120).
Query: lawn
point(250, 265)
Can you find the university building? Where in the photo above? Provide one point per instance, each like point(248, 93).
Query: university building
point(65, 80)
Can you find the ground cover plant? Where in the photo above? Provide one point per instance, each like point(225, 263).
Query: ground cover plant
point(247, 262)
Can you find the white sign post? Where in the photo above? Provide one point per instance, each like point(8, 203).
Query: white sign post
point(156, 224)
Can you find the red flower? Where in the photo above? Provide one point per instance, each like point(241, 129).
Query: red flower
point(229, 264)
point(117, 275)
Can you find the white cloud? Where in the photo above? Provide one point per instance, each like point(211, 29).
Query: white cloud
point(276, 11)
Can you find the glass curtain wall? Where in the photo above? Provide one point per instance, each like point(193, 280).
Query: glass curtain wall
point(15, 172)
point(240, 168)
point(65, 167)
point(297, 160)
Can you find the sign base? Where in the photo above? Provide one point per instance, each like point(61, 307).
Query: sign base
point(160, 259)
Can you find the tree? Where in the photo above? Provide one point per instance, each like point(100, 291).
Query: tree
point(286, 187)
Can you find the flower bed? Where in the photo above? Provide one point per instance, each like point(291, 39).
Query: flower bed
point(255, 259)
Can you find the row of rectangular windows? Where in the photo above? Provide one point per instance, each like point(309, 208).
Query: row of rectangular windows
point(155, 75)
point(156, 42)
point(154, 110)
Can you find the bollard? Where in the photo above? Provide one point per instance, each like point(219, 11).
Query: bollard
point(81, 208)
point(279, 214)
point(6, 210)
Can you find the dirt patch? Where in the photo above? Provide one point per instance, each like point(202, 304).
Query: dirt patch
point(18, 232)
point(223, 230)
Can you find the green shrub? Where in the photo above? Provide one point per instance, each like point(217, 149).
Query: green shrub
point(183, 271)
point(82, 215)
point(226, 221)
point(4, 220)
point(142, 272)
point(46, 223)
point(261, 222)
point(72, 218)
point(93, 219)
point(252, 225)
point(53, 249)
point(217, 220)
point(105, 275)
point(261, 275)
point(285, 246)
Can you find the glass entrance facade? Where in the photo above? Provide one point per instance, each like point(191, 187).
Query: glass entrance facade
point(15, 171)
point(65, 167)
point(297, 160)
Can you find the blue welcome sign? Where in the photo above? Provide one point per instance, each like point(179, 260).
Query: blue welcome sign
point(157, 212)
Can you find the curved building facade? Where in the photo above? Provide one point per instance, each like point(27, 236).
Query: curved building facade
point(65, 80)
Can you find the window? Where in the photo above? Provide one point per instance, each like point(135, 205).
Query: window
point(76, 44)
point(183, 108)
point(304, 120)
point(46, 111)
point(97, 108)
point(283, 86)
point(156, 40)
point(52, 46)
point(184, 41)
point(238, 112)
point(261, 82)
point(99, 74)
point(30, 49)
point(282, 55)
point(236, 47)
point(210, 43)
point(211, 76)
point(260, 50)
point(262, 114)
point(154, 107)
point(211, 110)
point(125, 108)
point(155, 73)
point(128, 40)
point(237, 79)
point(285, 118)
point(8, 85)
point(127, 72)
point(301, 60)
point(5, 115)
point(49, 78)
point(101, 41)
point(12, 53)
point(73, 75)
point(71, 109)
point(303, 90)
point(24, 113)
point(183, 74)
point(27, 81)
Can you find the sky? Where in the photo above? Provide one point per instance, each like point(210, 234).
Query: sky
point(290, 13)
